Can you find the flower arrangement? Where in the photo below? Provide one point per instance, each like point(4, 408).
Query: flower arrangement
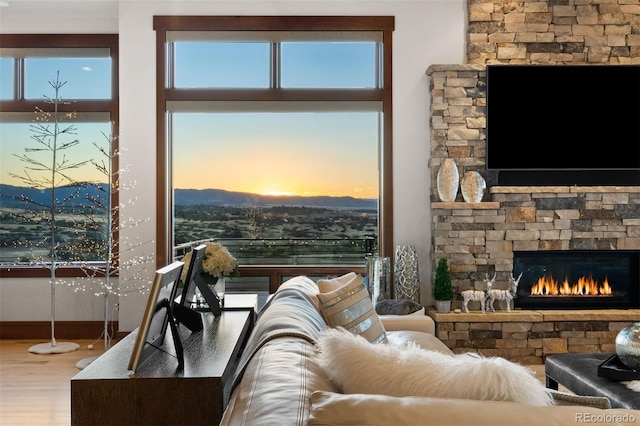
point(218, 262)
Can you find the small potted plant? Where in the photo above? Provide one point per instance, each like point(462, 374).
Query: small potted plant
point(442, 289)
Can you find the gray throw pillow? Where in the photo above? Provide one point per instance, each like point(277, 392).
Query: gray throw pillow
point(397, 307)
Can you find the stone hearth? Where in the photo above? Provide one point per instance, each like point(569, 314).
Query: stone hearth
point(527, 337)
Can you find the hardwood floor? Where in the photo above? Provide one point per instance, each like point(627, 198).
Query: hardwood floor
point(36, 389)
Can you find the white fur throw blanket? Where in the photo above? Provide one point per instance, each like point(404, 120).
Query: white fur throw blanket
point(634, 385)
point(358, 366)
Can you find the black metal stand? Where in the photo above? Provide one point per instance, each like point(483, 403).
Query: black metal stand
point(187, 316)
point(164, 303)
point(209, 296)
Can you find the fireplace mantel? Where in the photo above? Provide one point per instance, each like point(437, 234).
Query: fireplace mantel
point(529, 336)
point(563, 189)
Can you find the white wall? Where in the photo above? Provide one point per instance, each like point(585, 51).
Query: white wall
point(427, 32)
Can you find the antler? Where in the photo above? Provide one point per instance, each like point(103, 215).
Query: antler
point(492, 280)
point(515, 281)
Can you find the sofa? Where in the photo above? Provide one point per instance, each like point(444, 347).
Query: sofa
point(279, 380)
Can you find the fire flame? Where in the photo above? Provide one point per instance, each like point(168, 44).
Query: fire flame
point(585, 286)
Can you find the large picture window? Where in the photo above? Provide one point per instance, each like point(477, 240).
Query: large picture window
point(58, 97)
point(276, 134)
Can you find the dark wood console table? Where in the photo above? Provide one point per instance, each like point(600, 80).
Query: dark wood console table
point(106, 393)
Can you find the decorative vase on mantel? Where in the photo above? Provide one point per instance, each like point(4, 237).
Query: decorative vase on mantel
point(472, 187)
point(406, 277)
point(448, 180)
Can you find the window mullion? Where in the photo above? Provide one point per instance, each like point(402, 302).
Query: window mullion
point(169, 65)
point(18, 79)
point(276, 66)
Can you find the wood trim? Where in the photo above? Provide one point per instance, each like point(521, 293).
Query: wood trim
point(164, 239)
point(111, 106)
point(58, 40)
point(43, 272)
point(274, 95)
point(386, 195)
point(63, 329)
point(273, 23)
point(81, 106)
point(275, 273)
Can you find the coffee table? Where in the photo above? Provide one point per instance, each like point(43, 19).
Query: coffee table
point(578, 372)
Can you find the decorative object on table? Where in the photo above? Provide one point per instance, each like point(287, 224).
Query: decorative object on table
point(442, 288)
point(628, 346)
point(377, 278)
point(397, 307)
point(406, 277)
point(505, 295)
point(218, 264)
point(477, 296)
point(448, 180)
point(472, 187)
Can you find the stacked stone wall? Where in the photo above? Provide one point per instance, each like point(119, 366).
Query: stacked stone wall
point(553, 31)
point(480, 238)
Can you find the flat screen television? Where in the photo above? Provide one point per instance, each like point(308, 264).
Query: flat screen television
point(563, 124)
point(157, 316)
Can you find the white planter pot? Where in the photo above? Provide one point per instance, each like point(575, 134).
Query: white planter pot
point(443, 306)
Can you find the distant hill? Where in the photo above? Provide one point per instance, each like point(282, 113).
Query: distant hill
point(187, 197)
point(10, 195)
point(219, 197)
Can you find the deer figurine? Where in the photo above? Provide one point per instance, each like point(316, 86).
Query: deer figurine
point(506, 295)
point(478, 295)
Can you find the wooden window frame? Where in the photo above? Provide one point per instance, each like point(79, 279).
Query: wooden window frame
point(81, 105)
point(163, 24)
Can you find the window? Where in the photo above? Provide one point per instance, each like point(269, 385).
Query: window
point(246, 103)
point(34, 70)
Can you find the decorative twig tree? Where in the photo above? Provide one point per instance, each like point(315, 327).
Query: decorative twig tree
point(47, 167)
point(104, 218)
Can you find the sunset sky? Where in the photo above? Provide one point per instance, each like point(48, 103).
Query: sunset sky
point(286, 153)
point(297, 153)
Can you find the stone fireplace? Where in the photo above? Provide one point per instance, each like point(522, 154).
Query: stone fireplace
point(487, 237)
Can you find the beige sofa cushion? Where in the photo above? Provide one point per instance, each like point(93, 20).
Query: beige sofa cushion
point(426, 341)
point(417, 321)
point(276, 385)
point(329, 408)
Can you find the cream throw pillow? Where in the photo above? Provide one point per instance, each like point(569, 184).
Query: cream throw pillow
point(330, 284)
point(347, 304)
point(359, 367)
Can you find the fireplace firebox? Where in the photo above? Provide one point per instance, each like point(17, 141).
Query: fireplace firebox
point(577, 279)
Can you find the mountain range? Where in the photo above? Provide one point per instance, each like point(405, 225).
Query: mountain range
point(188, 197)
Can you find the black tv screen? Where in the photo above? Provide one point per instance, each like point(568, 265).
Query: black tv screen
point(563, 124)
